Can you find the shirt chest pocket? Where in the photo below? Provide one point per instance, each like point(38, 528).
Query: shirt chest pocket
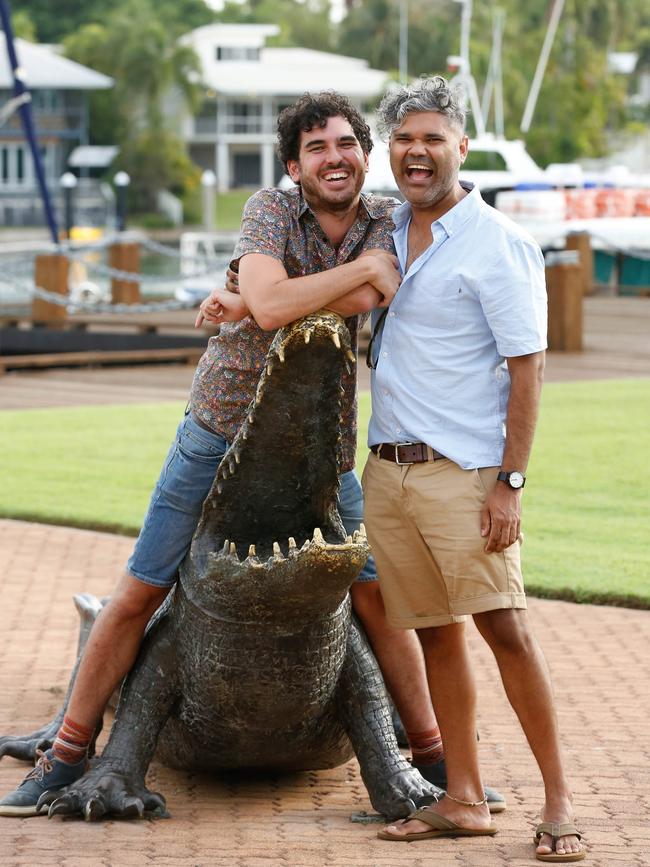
point(443, 302)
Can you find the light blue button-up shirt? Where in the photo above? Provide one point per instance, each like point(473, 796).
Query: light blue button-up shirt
point(475, 297)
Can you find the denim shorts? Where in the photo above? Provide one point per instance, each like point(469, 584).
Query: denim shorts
point(177, 500)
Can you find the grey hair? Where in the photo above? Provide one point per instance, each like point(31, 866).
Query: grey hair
point(424, 94)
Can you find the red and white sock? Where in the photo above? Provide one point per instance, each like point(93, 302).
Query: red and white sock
point(72, 741)
point(426, 747)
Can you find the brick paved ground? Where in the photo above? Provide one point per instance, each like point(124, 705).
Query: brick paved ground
point(601, 664)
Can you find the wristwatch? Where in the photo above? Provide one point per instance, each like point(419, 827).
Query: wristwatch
point(515, 479)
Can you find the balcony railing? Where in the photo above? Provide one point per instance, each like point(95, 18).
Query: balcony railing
point(233, 125)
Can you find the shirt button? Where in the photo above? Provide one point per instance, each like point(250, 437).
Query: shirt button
point(385, 354)
point(392, 313)
point(386, 392)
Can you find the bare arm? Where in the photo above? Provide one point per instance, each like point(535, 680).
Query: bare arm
point(221, 305)
point(501, 516)
point(274, 299)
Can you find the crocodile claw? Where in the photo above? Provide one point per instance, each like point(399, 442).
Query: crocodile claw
point(103, 792)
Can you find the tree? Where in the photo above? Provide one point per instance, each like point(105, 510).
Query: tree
point(54, 21)
point(306, 24)
point(146, 62)
point(580, 100)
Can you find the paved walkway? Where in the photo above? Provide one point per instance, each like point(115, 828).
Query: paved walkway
point(600, 662)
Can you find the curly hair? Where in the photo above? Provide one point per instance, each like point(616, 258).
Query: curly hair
point(425, 94)
point(313, 110)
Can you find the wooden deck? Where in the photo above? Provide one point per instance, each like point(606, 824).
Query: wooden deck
point(616, 339)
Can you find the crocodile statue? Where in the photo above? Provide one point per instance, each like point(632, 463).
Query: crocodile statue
point(254, 659)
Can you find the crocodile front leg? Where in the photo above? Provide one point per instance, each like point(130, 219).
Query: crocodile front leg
point(115, 783)
point(394, 787)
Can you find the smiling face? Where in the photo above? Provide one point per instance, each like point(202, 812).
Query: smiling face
point(331, 166)
point(426, 151)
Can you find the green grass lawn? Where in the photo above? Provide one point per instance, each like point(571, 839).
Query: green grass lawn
point(586, 509)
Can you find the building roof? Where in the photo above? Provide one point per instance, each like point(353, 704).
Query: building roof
point(281, 71)
point(45, 68)
point(92, 156)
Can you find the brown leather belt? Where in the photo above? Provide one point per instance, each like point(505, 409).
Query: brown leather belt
point(406, 453)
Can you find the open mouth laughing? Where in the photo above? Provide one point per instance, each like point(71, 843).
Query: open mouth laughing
point(418, 171)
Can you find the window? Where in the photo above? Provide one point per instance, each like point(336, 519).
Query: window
point(237, 52)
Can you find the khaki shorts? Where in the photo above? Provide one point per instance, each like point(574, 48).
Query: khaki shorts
point(424, 528)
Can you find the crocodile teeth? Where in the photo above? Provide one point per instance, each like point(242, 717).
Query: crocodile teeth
point(269, 369)
point(277, 551)
point(318, 536)
point(336, 340)
point(280, 353)
point(244, 435)
point(348, 369)
point(233, 549)
point(226, 547)
point(308, 335)
point(251, 551)
point(231, 466)
point(250, 418)
point(351, 356)
point(360, 534)
point(292, 543)
point(348, 539)
point(237, 457)
point(219, 487)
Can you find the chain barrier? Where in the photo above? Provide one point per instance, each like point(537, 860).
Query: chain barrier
point(136, 276)
point(96, 307)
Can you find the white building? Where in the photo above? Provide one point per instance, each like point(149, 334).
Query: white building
point(247, 85)
point(59, 88)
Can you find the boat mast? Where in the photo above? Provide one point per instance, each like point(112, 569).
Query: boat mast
point(24, 101)
point(462, 63)
point(535, 87)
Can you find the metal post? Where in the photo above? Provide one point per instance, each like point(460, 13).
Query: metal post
point(121, 181)
point(68, 183)
point(208, 184)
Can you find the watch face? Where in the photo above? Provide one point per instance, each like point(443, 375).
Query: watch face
point(516, 480)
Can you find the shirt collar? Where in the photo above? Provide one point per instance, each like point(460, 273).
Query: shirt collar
point(454, 218)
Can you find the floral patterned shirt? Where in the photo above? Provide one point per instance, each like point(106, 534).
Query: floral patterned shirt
point(279, 223)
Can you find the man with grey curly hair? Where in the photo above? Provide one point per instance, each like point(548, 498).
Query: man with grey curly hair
point(424, 94)
point(457, 366)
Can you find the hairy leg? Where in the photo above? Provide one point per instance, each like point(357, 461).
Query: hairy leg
point(451, 683)
point(527, 682)
point(400, 658)
point(112, 647)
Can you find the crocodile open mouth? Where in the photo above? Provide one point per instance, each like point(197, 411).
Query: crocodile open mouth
point(276, 488)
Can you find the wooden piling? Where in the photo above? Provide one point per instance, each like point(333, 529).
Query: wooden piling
point(125, 257)
point(564, 285)
point(51, 274)
point(581, 241)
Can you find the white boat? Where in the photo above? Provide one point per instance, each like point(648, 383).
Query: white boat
point(613, 207)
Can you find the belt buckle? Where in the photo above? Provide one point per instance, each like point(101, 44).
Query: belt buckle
point(397, 460)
